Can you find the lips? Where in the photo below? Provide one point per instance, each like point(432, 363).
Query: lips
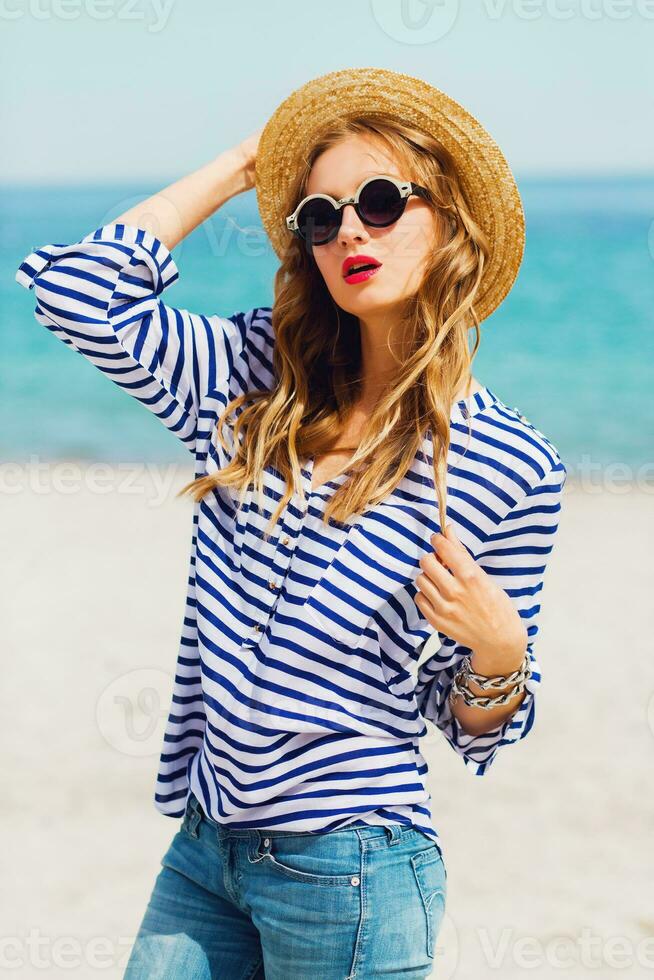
point(359, 263)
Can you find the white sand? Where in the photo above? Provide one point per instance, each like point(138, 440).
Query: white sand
point(551, 850)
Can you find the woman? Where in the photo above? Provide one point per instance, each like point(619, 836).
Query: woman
point(330, 433)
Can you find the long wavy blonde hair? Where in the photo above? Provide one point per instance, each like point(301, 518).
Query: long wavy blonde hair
point(317, 355)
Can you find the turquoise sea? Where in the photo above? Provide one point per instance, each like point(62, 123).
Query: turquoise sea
point(571, 346)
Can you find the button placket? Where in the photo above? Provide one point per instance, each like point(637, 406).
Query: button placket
point(281, 558)
point(281, 562)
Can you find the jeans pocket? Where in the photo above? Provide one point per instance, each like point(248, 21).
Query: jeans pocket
point(317, 860)
point(429, 872)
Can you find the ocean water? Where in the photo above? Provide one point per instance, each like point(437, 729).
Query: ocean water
point(571, 346)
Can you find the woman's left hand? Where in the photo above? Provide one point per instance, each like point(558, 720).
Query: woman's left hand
point(462, 601)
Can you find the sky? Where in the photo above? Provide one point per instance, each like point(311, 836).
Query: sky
point(123, 90)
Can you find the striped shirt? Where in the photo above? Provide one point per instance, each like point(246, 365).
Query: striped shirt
point(300, 693)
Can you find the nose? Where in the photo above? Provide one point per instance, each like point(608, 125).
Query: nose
point(352, 227)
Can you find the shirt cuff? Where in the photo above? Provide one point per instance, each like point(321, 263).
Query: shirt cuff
point(140, 248)
point(479, 751)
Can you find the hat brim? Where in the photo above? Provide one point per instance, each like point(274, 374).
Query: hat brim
point(486, 179)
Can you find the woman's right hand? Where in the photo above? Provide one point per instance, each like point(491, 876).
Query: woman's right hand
point(247, 150)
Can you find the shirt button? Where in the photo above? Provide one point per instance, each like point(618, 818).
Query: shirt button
point(257, 628)
point(354, 880)
point(272, 585)
point(285, 540)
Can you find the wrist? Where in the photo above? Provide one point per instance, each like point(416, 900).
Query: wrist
point(480, 708)
point(490, 661)
point(230, 177)
point(243, 166)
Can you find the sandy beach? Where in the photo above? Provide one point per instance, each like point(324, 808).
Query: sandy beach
point(550, 855)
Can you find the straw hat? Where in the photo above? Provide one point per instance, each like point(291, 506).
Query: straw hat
point(488, 184)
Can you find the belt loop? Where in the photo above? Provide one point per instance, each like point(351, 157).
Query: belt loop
point(258, 845)
point(393, 832)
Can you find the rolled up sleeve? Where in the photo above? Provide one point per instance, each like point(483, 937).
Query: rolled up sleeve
point(100, 296)
point(516, 555)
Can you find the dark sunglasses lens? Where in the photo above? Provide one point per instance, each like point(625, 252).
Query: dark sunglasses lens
point(317, 221)
point(381, 203)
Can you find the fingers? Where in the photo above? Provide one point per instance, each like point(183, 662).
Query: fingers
point(451, 585)
point(434, 607)
point(425, 607)
point(451, 552)
point(435, 579)
point(445, 569)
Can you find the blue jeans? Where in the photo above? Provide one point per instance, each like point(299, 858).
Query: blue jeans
point(357, 902)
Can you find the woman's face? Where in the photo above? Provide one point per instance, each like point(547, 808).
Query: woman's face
point(402, 248)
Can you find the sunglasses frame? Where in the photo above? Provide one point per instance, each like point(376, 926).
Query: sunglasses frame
point(406, 188)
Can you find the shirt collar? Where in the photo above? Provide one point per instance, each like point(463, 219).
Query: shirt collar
point(464, 408)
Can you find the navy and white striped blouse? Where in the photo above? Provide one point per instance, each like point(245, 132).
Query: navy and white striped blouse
point(299, 700)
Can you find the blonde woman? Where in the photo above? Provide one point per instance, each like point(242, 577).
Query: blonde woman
point(356, 492)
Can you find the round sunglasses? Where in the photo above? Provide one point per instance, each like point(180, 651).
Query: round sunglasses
point(379, 201)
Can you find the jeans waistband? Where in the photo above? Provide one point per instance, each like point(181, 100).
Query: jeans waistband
point(194, 807)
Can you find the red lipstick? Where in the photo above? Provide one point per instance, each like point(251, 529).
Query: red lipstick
point(358, 268)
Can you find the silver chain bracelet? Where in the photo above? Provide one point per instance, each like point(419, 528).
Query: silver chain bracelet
point(517, 678)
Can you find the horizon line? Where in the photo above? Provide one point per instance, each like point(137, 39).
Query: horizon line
point(165, 181)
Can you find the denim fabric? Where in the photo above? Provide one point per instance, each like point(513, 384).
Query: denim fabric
point(356, 902)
